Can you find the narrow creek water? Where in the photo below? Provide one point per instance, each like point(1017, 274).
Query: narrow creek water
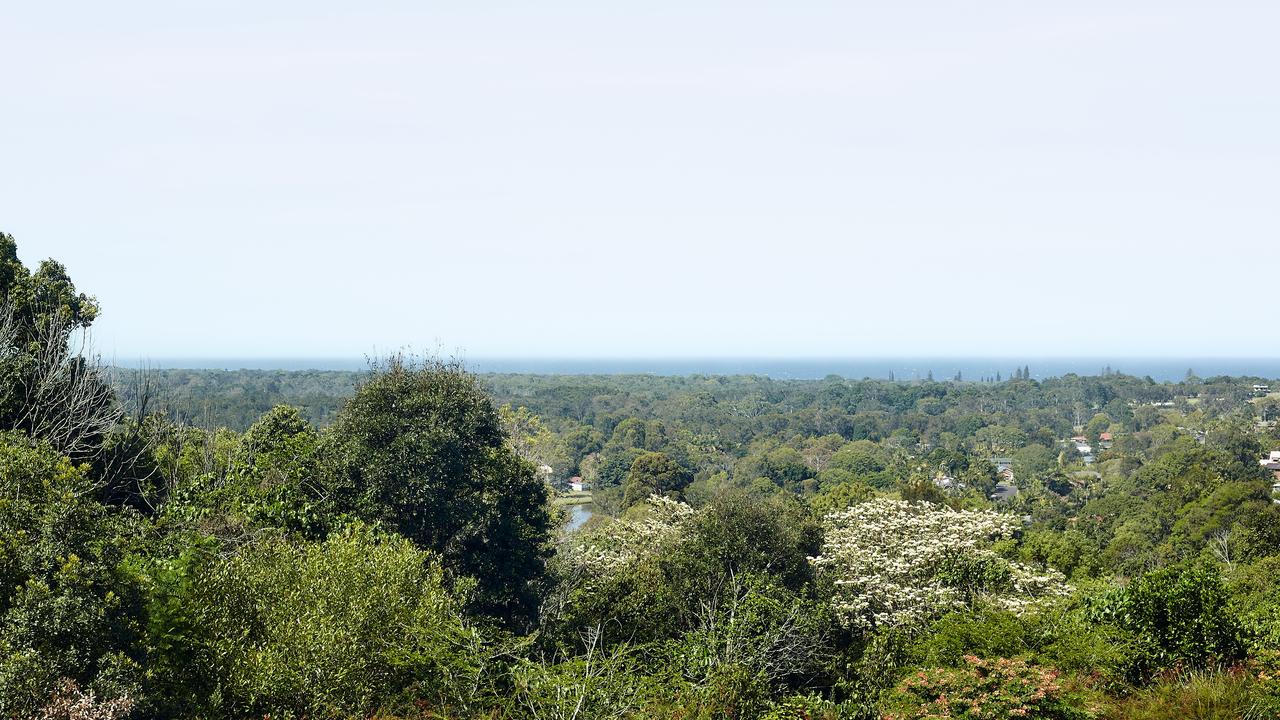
point(578, 516)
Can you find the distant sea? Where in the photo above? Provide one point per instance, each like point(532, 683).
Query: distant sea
point(943, 368)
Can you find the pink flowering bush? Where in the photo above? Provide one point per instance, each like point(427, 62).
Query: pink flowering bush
point(984, 690)
point(70, 702)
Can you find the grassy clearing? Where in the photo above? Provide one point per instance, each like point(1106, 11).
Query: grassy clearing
point(574, 497)
point(1223, 695)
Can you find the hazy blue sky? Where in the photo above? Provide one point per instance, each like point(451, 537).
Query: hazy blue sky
point(652, 178)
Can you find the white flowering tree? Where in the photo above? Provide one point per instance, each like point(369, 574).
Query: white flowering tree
point(895, 563)
point(593, 557)
point(621, 543)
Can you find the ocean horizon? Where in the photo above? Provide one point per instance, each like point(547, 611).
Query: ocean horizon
point(1164, 369)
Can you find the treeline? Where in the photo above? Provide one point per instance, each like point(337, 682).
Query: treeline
point(1074, 548)
point(736, 407)
point(234, 399)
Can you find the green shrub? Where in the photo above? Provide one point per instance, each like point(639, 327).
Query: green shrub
point(290, 628)
point(992, 633)
point(66, 611)
point(869, 669)
point(276, 472)
point(802, 707)
point(1182, 611)
point(761, 628)
point(729, 692)
point(1102, 653)
point(599, 684)
point(1255, 591)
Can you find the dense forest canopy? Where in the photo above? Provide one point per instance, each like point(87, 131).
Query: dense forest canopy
point(417, 541)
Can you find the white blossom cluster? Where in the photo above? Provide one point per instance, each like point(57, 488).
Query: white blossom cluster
point(1031, 585)
point(886, 558)
point(598, 554)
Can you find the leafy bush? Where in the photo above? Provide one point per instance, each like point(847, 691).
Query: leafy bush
point(1183, 611)
point(1062, 635)
point(992, 633)
point(65, 610)
point(329, 629)
point(277, 472)
point(1067, 638)
point(598, 684)
point(230, 485)
point(1255, 591)
point(759, 627)
point(802, 707)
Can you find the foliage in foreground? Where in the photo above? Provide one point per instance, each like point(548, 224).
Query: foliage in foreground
point(330, 629)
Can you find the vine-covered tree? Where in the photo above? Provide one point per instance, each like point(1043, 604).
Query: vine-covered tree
point(50, 387)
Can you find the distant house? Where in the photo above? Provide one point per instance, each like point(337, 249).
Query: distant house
point(1105, 437)
point(1260, 390)
point(575, 483)
point(1271, 463)
point(948, 483)
point(1086, 451)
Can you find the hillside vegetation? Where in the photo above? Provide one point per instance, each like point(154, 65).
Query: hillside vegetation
point(392, 544)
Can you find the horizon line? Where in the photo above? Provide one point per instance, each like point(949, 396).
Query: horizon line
point(1167, 357)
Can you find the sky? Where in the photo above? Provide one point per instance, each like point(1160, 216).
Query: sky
point(651, 179)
